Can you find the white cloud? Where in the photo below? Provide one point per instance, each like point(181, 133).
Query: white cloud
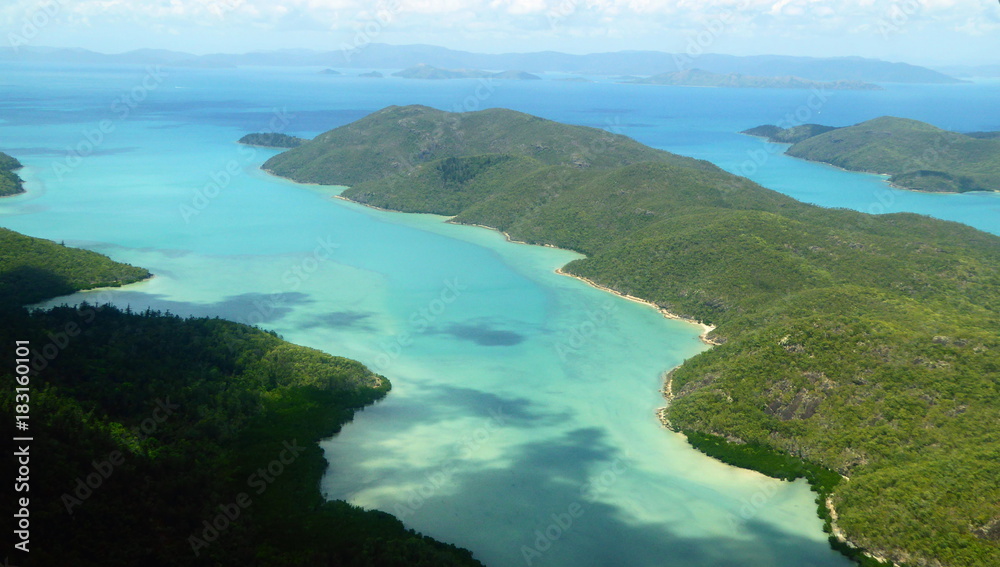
point(514, 24)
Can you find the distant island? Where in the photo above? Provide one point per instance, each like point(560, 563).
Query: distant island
point(848, 344)
point(272, 140)
point(428, 72)
point(701, 78)
point(330, 72)
point(916, 155)
point(10, 181)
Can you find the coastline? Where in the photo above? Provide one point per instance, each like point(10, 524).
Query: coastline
point(838, 542)
point(887, 177)
point(706, 328)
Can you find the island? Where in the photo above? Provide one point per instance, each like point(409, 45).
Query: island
point(158, 440)
point(10, 181)
point(428, 72)
point(787, 135)
point(858, 351)
point(272, 140)
point(372, 75)
point(701, 78)
point(330, 72)
point(916, 155)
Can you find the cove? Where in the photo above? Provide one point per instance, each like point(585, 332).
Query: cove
point(522, 421)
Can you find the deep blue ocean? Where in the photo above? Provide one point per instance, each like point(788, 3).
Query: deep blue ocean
point(522, 418)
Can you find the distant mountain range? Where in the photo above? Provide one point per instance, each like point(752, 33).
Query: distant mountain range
point(702, 78)
point(383, 56)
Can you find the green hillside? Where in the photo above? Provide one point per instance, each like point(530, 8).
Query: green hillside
point(788, 135)
point(701, 78)
point(10, 182)
point(34, 269)
point(272, 140)
point(395, 140)
point(865, 344)
point(916, 155)
point(148, 427)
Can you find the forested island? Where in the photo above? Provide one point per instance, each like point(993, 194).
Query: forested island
point(272, 140)
point(702, 78)
point(851, 346)
point(164, 441)
point(10, 181)
point(916, 155)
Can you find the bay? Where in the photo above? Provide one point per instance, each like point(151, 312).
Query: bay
point(522, 420)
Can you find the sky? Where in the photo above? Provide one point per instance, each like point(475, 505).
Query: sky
point(927, 32)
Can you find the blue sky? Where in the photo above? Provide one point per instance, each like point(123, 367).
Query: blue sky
point(918, 31)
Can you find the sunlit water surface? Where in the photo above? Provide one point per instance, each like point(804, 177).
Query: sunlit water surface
point(522, 418)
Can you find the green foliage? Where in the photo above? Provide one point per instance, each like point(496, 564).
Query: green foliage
point(766, 460)
point(917, 155)
point(860, 344)
point(984, 135)
point(272, 140)
point(195, 407)
point(192, 408)
point(788, 135)
point(10, 182)
point(34, 269)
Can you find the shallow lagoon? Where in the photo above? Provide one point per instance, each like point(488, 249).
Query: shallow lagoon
point(522, 420)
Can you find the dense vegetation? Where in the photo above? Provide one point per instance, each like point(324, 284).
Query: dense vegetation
point(146, 426)
point(864, 344)
point(10, 182)
point(34, 269)
point(788, 135)
point(701, 78)
point(428, 72)
point(984, 135)
point(394, 141)
point(916, 155)
point(272, 140)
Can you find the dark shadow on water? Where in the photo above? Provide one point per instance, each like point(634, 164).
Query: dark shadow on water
point(353, 319)
point(505, 513)
point(482, 334)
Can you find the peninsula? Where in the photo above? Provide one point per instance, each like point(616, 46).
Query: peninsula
point(10, 182)
point(916, 155)
point(272, 140)
point(860, 344)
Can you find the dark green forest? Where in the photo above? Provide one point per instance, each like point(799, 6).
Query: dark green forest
point(10, 182)
point(915, 155)
point(865, 345)
point(272, 140)
point(167, 441)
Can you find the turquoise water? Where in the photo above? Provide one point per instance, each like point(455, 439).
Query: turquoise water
point(522, 420)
